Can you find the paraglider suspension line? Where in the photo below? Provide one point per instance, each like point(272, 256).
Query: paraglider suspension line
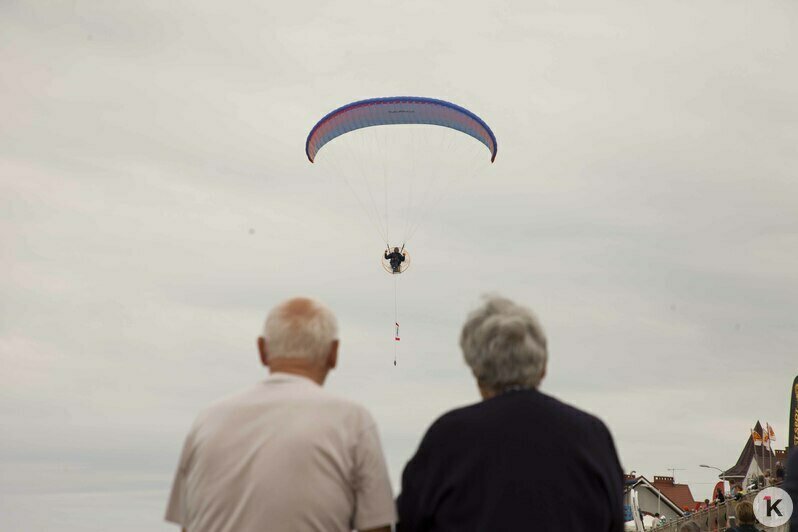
point(395, 317)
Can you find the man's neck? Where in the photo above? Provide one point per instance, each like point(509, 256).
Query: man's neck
point(299, 367)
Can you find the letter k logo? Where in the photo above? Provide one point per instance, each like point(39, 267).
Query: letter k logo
point(773, 507)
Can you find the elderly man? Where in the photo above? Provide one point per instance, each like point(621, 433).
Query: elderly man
point(518, 460)
point(285, 455)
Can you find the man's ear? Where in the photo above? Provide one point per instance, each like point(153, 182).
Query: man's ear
point(543, 373)
point(263, 350)
point(332, 358)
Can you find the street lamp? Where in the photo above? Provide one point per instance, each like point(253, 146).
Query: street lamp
point(712, 467)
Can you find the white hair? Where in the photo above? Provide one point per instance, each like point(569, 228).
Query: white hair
point(300, 328)
point(504, 345)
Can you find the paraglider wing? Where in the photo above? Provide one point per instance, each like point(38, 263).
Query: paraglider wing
point(398, 110)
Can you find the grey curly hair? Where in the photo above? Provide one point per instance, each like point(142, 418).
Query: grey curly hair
point(504, 345)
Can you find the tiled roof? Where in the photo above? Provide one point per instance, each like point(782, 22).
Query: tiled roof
point(680, 494)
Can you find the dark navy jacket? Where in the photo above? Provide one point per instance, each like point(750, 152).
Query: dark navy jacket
point(519, 461)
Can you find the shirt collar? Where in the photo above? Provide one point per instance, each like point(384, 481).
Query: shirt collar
point(280, 377)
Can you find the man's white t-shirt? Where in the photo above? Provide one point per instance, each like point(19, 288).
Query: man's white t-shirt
point(283, 456)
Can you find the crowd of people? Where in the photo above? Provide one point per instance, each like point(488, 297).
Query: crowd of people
point(756, 482)
point(739, 514)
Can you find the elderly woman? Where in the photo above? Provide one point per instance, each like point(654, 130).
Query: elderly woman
point(519, 459)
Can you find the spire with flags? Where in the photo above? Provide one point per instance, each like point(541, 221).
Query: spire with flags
point(754, 452)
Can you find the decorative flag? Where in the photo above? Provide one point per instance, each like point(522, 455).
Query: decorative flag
point(771, 432)
point(757, 437)
point(396, 336)
point(766, 439)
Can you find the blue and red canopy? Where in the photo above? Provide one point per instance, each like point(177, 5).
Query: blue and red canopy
point(398, 110)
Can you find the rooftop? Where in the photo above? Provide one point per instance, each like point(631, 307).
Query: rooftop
point(680, 494)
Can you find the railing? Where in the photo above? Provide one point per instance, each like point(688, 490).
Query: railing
point(714, 518)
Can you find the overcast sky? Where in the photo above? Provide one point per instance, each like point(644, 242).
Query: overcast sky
point(156, 203)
